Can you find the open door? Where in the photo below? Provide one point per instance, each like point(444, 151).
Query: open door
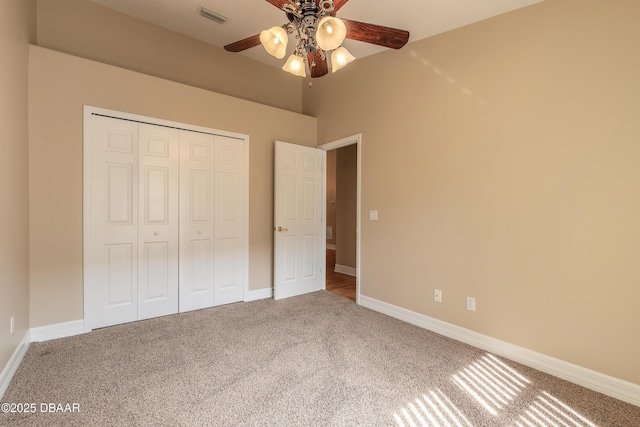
point(298, 236)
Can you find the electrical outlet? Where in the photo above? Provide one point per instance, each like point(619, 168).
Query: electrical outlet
point(437, 295)
point(12, 323)
point(471, 303)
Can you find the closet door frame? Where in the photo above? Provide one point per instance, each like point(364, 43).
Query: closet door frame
point(88, 269)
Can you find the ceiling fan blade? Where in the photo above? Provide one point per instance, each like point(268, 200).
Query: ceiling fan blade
point(376, 34)
point(281, 3)
point(320, 68)
point(243, 44)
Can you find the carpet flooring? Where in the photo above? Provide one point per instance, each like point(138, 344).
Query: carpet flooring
point(313, 360)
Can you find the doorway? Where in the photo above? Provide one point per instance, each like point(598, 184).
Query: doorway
point(342, 218)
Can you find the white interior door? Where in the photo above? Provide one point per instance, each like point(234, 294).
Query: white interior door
point(197, 206)
point(298, 240)
point(158, 226)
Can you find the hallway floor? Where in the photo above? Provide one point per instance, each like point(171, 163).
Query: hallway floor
point(338, 283)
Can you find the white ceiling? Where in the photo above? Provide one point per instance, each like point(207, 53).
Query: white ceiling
point(422, 18)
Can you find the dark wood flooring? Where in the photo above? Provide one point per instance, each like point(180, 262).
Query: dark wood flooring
point(338, 283)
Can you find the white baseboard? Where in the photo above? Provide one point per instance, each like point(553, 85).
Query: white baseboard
point(58, 330)
point(258, 294)
point(14, 362)
point(611, 386)
point(345, 270)
point(332, 247)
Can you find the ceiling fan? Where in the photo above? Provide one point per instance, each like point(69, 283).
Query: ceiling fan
point(317, 31)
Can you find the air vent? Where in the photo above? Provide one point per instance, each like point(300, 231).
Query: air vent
point(210, 14)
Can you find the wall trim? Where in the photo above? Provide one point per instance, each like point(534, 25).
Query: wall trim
point(58, 330)
point(330, 246)
point(258, 294)
point(611, 386)
point(14, 362)
point(351, 271)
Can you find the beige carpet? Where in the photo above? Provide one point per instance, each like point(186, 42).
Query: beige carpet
point(314, 360)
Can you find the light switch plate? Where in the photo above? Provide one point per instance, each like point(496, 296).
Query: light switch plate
point(373, 215)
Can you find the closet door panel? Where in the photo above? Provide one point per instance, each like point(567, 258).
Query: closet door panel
point(197, 204)
point(158, 224)
point(120, 280)
point(111, 263)
point(230, 218)
point(199, 266)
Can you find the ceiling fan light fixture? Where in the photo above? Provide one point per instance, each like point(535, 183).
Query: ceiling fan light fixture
point(318, 36)
point(339, 58)
point(295, 66)
point(275, 41)
point(331, 32)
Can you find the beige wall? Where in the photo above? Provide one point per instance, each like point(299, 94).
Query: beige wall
point(59, 86)
point(17, 26)
point(88, 30)
point(331, 194)
point(346, 205)
point(503, 159)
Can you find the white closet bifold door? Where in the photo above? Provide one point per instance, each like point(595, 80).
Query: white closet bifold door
point(158, 226)
point(230, 219)
point(197, 207)
point(113, 208)
point(165, 218)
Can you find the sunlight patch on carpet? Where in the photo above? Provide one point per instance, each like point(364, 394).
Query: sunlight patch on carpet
point(491, 382)
point(550, 411)
point(432, 409)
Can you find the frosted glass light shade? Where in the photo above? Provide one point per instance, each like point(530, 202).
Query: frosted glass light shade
point(275, 41)
point(331, 33)
point(295, 66)
point(339, 58)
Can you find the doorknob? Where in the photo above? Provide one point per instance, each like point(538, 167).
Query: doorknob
point(155, 233)
point(282, 229)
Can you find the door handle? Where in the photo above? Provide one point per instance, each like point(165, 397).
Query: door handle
point(282, 229)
